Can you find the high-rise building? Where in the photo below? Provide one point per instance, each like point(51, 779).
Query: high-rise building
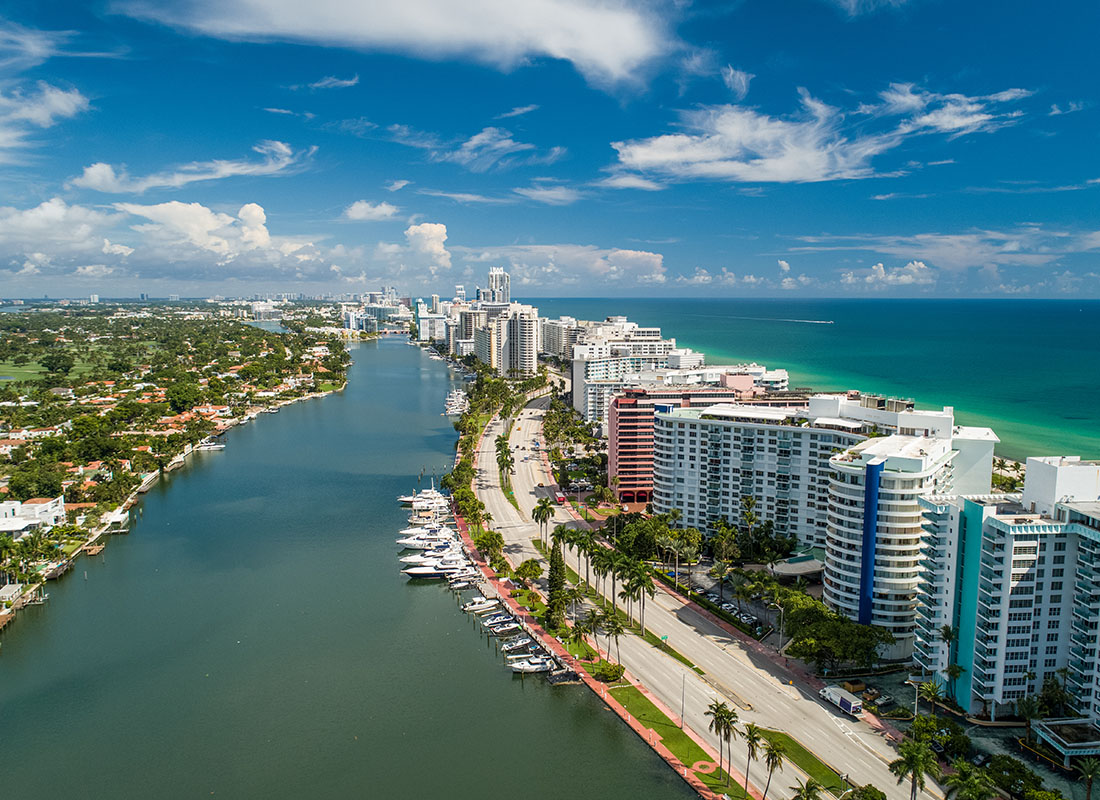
point(500, 286)
point(460, 293)
point(705, 460)
point(1016, 578)
point(874, 530)
point(93, 298)
point(509, 341)
point(630, 426)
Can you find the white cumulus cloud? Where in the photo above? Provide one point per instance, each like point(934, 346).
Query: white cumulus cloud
point(784, 266)
point(429, 239)
point(363, 211)
point(915, 273)
point(112, 249)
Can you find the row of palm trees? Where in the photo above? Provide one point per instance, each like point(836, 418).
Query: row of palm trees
point(505, 462)
point(723, 723)
point(631, 579)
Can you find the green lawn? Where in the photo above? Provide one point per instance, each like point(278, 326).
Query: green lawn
point(326, 386)
point(809, 763)
point(27, 372)
point(32, 371)
point(681, 745)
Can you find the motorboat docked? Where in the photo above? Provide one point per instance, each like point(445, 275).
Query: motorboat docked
point(505, 629)
point(458, 585)
point(537, 664)
point(480, 604)
point(209, 444)
point(517, 643)
point(428, 573)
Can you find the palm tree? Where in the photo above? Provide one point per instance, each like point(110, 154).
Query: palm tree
point(591, 624)
point(641, 581)
point(613, 629)
point(968, 782)
point(932, 693)
point(602, 561)
point(689, 553)
point(810, 790)
point(753, 739)
point(917, 761)
point(1088, 769)
point(729, 733)
point(542, 512)
point(573, 595)
point(578, 632)
point(953, 672)
point(717, 712)
point(773, 760)
point(1028, 709)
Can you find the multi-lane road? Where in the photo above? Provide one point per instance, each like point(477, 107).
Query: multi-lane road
point(757, 688)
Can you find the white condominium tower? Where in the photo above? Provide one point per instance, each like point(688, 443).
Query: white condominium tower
point(873, 530)
point(500, 286)
point(1017, 579)
point(706, 459)
point(509, 343)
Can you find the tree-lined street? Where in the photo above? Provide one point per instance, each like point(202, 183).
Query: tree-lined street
point(750, 683)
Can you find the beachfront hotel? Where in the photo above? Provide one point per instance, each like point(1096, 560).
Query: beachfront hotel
point(630, 423)
point(1016, 577)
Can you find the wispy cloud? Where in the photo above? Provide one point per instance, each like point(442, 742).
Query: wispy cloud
point(816, 143)
point(550, 195)
point(332, 82)
point(737, 81)
point(42, 107)
point(276, 158)
point(1026, 246)
point(491, 148)
point(518, 111)
point(629, 181)
point(396, 186)
point(1069, 108)
point(468, 197)
point(610, 43)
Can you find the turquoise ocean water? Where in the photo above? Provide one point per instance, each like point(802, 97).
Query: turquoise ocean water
point(1030, 369)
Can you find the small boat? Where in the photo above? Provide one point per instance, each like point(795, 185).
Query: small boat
point(498, 619)
point(457, 585)
point(480, 604)
point(533, 665)
point(518, 643)
point(504, 630)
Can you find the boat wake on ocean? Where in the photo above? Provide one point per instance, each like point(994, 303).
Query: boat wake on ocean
point(767, 319)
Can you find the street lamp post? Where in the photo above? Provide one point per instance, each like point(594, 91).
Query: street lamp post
point(782, 618)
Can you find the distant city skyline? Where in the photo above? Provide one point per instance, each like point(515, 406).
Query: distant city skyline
point(811, 148)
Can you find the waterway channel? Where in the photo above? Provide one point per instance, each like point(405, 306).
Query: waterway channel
point(253, 637)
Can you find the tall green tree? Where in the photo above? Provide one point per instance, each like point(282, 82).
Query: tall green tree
point(810, 790)
point(557, 600)
point(774, 751)
point(1089, 770)
point(753, 738)
point(916, 762)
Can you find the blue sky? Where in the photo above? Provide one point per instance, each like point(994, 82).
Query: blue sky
point(756, 148)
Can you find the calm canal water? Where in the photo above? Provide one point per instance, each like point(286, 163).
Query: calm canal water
point(253, 637)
